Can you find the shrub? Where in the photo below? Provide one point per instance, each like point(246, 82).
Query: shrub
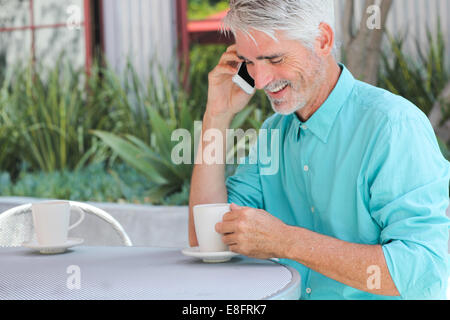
point(422, 80)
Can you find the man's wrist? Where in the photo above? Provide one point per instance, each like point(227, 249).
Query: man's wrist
point(290, 242)
point(219, 121)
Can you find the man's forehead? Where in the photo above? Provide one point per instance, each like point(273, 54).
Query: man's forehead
point(257, 44)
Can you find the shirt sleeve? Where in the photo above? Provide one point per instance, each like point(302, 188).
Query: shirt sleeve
point(409, 195)
point(244, 187)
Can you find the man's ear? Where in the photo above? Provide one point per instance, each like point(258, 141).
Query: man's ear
point(325, 41)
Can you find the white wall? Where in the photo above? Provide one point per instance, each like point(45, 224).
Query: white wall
point(141, 30)
point(408, 17)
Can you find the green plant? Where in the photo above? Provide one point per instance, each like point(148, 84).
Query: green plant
point(150, 112)
point(52, 113)
point(9, 138)
point(154, 159)
point(2, 65)
point(91, 183)
point(421, 81)
point(125, 93)
point(200, 9)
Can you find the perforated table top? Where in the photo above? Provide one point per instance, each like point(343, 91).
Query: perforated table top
point(139, 273)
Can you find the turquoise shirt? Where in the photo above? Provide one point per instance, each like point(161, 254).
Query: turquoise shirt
point(365, 168)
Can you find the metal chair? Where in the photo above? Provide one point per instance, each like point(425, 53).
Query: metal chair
point(16, 224)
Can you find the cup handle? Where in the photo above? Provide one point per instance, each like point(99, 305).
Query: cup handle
point(82, 214)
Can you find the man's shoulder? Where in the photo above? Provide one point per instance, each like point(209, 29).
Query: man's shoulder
point(379, 104)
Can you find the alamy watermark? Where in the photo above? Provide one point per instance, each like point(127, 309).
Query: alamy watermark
point(73, 22)
point(74, 279)
point(374, 20)
point(374, 279)
point(217, 148)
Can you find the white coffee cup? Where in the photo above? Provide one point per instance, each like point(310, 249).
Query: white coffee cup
point(51, 221)
point(206, 217)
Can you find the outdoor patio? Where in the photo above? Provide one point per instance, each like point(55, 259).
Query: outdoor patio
point(91, 92)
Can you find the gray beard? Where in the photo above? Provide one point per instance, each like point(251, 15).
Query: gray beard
point(275, 102)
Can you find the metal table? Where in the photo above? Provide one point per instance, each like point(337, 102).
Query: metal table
point(139, 273)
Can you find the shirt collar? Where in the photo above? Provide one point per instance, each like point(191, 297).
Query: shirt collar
point(323, 119)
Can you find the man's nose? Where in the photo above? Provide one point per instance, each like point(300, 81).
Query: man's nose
point(262, 76)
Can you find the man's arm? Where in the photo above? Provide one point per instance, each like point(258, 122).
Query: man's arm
point(225, 100)
point(359, 266)
point(208, 180)
point(258, 234)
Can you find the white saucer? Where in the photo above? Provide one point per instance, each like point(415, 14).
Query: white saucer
point(53, 249)
point(209, 257)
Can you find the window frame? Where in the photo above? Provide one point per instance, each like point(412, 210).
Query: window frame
point(86, 23)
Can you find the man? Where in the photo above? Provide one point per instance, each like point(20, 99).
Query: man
point(358, 203)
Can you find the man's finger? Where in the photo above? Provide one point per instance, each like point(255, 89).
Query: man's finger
point(223, 69)
point(231, 59)
point(234, 248)
point(225, 227)
point(230, 216)
point(229, 239)
point(231, 48)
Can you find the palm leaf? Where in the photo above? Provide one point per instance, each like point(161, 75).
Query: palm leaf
point(132, 155)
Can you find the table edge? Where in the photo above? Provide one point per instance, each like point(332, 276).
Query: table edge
point(291, 291)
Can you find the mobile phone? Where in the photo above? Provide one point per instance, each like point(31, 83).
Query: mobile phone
point(244, 80)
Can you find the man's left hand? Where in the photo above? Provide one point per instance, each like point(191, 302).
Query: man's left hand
point(252, 232)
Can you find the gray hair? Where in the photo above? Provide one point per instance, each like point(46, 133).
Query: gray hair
point(299, 19)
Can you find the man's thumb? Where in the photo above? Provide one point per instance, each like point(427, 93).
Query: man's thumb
point(234, 206)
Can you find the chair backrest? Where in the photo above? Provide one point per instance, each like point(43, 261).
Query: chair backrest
point(16, 224)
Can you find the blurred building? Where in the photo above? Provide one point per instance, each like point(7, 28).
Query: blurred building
point(138, 31)
point(39, 30)
point(410, 19)
point(153, 31)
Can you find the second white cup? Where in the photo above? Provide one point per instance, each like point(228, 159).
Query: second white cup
point(51, 221)
point(205, 219)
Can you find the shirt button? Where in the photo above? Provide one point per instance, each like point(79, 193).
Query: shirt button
point(313, 209)
point(308, 290)
point(304, 127)
point(306, 168)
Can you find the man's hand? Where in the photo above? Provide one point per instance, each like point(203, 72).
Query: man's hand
point(225, 98)
point(253, 232)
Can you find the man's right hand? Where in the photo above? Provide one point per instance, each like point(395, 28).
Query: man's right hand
point(225, 98)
